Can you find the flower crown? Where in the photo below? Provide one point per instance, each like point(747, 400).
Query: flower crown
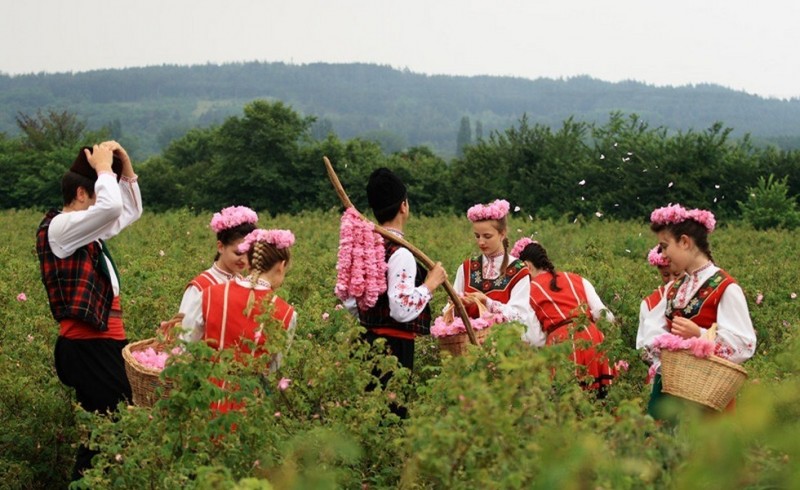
point(496, 210)
point(656, 258)
point(520, 245)
point(676, 213)
point(232, 216)
point(276, 238)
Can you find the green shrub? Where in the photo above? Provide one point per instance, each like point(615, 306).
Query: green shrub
point(770, 206)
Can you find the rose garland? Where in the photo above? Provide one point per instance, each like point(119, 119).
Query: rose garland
point(232, 216)
point(520, 245)
point(676, 213)
point(361, 266)
point(656, 258)
point(495, 210)
point(276, 238)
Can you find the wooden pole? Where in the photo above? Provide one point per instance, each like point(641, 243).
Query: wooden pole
point(428, 263)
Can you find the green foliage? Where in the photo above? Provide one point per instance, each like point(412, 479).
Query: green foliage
point(769, 206)
point(496, 418)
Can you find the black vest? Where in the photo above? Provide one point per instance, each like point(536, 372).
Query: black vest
point(379, 316)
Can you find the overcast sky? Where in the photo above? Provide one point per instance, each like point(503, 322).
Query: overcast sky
point(742, 44)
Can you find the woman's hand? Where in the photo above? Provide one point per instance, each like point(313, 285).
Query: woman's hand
point(685, 328)
point(119, 152)
point(475, 297)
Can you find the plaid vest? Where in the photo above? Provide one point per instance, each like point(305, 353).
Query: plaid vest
point(379, 315)
point(77, 286)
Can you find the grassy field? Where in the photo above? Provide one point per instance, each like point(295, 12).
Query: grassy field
point(158, 255)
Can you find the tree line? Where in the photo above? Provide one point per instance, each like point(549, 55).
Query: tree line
point(266, 158)
point(397, 108)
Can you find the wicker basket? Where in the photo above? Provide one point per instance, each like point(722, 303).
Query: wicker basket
point(457, 344)
point(144, 380)
point(711, 381)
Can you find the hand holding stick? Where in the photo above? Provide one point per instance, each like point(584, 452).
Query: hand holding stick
point(428, 263)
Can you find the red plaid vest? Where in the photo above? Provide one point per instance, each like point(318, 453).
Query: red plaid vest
point(77, 286)
point(379, 315)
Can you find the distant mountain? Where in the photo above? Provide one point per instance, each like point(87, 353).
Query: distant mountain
point(148, 107)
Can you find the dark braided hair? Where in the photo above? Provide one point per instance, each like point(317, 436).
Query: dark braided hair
point(690, 228)
point(537, 255)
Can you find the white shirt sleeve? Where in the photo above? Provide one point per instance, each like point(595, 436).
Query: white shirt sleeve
point(596, 306)
point(193, 323)
point(734, 326)
point(406, 301)
point(117, 206)
point(458, 283)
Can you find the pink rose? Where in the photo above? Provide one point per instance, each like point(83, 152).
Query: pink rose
point(22, 297)
point(284, 383)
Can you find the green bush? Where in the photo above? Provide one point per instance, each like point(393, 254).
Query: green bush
point(770, 206)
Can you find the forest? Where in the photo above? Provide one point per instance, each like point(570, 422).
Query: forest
point(399, 109)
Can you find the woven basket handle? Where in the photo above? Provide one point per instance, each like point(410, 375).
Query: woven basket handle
point(449, 311)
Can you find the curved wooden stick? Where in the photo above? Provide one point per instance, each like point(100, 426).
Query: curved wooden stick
point(428, 263)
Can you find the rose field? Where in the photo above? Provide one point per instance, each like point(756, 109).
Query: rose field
point(502, 416)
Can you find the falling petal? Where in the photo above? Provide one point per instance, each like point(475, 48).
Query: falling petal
point(516, 209)
point(598, 214)
point(602, 157)
point(630, 153)
point(715, 199)
point(670, 185)
point(519, 230)
point(628, 250)
point(583, 198)
point(615, 144)
point(161, 253)
point(793, 295)
point(530, 217)
point(616, 205)
point(582, 182)
point(759, 298)
point(716, 186)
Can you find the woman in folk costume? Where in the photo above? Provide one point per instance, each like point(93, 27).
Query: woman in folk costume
point(230, 311)
point(231, 225)
point(648, 313)
point(705, 295)
point(559, 300)
point(496, 279)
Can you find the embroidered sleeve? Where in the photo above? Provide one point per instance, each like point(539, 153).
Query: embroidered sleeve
point(406, 301)
point(736, 338)
point(518, 308)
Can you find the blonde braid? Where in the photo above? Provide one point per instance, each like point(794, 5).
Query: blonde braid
point(257, 259)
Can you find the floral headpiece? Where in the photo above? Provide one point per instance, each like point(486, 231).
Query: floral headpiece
point(656, 258)
point(520, 245)
point(676, 213)
point(496, 210)
point(232, 216)
point(276, 238)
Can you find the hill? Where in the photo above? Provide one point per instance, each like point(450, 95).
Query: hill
point(147, 107)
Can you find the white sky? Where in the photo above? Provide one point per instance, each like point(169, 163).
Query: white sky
point(742, 44)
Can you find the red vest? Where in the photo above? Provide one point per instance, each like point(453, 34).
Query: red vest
point(498, 289)
point(655, 297)
point(203, 280)
point(226, 326)
point(702, 308)
point(557, 308)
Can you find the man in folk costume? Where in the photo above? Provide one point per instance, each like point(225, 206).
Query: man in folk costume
point(101, 197)
point(401, 312)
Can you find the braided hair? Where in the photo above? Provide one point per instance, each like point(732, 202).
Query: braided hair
point(263, 256)
point(536, 254)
